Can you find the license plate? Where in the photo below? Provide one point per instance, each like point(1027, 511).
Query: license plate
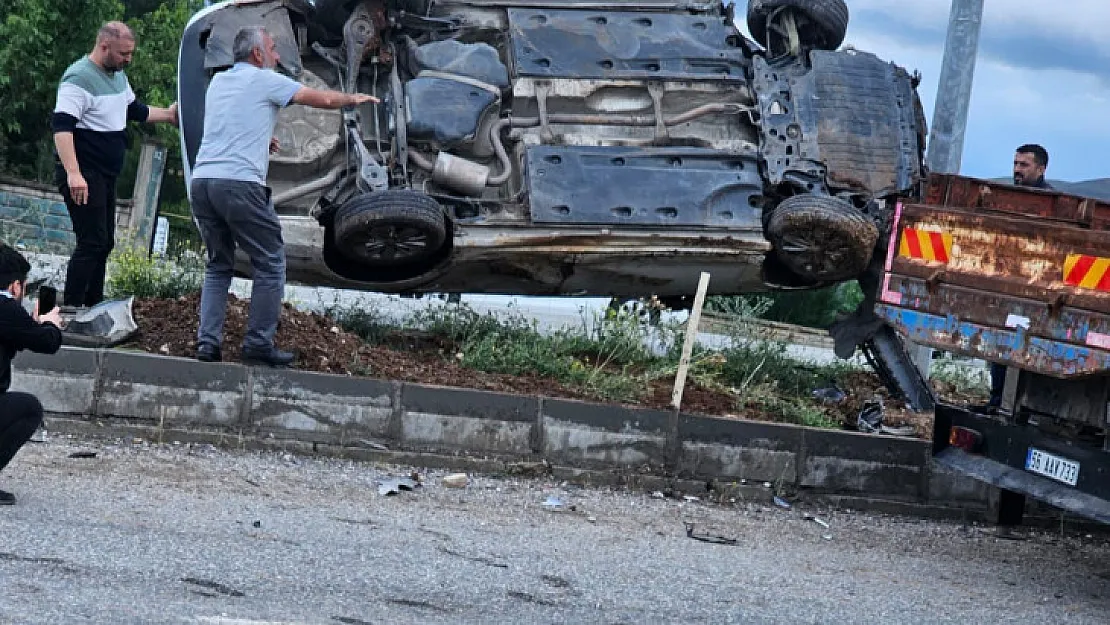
point(1052, 466)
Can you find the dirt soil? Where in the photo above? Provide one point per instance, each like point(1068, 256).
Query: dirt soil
point(168, 327)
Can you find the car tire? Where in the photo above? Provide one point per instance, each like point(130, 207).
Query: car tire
point(828, 21)
point(390, 228)
point(822, 238)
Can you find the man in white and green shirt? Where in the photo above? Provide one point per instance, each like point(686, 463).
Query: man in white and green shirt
point(94, 104)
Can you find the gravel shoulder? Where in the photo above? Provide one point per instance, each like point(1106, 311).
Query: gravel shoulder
point(145, 533)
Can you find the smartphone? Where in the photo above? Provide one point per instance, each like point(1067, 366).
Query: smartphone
point(48, 299)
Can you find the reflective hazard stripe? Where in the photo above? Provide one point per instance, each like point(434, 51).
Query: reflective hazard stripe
point(1087, 272)
point(926, 245)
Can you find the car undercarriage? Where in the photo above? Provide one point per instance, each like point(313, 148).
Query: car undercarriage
point(573, 147)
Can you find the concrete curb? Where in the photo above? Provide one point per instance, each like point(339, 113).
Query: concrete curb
point(168, 398)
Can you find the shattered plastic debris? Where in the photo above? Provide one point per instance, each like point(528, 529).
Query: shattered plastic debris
point(394, 485)
point(554, 503)
point(709, 538)
point(456, 480)
point(817, 520)
point(782, 503)
point(902, 430)
point(832, 395)
point(658, 495)
point(870, 419)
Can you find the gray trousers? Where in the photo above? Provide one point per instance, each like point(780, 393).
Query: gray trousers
point(233, 213)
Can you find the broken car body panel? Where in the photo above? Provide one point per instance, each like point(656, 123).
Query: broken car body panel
point(576, 148)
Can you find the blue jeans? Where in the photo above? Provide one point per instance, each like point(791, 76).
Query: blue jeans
point(230, 214)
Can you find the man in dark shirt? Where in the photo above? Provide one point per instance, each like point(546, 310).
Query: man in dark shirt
point(1030, 165)
point(94, 104)
point(20, 413)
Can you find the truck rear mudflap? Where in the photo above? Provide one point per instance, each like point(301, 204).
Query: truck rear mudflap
point(1022, 459)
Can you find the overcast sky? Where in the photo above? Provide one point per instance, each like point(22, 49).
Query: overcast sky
point(1043, 75)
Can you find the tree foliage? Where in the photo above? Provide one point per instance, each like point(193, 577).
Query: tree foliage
point(38, 40)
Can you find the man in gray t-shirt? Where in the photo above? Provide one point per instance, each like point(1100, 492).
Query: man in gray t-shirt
point(229, 196)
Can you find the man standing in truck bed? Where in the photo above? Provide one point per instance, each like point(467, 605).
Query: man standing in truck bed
point(1030, 165)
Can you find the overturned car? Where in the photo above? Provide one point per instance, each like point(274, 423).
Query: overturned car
point(574, 147)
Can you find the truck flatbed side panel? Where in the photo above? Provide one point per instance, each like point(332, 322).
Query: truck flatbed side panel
point(1043, 317)
point(1012, 347)
point(986, 196)
point(1004, 254)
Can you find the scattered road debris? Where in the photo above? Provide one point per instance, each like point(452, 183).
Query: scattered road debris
point(553, 503)
point(782, 503)
point(456, 480)
point(870, 419)
point(395, 485)
point(903, 430)
point(83, 454)
point(709, 538)
point(830, 396)
point(658, 495)
point(817, 520)
point(209, 588)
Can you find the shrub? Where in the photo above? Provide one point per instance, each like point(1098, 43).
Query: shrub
point(132, 272)
point(817, 308)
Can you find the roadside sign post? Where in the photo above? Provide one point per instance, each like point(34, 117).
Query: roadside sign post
point(688, 345)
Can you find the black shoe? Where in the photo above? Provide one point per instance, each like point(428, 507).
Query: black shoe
point(6, 498)
point(272, 357)
point(208, 353)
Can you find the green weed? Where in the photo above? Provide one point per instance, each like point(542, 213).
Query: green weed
point(132, 272)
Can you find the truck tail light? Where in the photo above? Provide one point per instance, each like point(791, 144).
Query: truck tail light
point(966, 439)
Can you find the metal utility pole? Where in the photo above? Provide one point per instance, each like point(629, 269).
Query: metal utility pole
point(957, 72)
point(946, 137)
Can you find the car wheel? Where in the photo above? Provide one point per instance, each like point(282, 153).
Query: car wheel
point(822, 238)
point(823, 25)
point(390, 228)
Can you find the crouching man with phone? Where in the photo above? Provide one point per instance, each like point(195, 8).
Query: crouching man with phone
point(20, 413)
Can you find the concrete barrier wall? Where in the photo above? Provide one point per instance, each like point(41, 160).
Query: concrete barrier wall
point(260, 403)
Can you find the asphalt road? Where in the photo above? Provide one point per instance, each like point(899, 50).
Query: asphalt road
point(188, 534)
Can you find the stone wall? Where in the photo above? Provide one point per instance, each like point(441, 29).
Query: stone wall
point(34, 218)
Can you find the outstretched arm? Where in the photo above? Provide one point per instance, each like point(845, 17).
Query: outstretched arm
point(162, 116)
point(328, 99)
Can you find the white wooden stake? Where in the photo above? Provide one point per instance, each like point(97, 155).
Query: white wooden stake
point(688, 344)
